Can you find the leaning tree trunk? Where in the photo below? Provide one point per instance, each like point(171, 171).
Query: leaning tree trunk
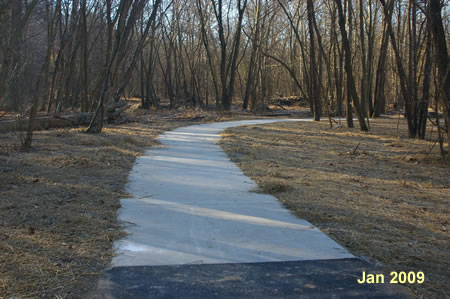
point(404, 82)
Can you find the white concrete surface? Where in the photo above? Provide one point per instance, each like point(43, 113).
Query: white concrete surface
point(191, 204)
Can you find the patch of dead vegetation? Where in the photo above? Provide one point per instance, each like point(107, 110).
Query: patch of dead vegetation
point(58, 206)
point(382, 196)
point(59, 201)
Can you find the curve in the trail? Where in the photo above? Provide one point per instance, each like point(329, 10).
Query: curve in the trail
point(191, 205)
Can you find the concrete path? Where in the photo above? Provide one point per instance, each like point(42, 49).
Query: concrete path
point(196, 230)
point(192, 205)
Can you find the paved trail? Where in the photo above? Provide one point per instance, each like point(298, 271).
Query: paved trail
point(194, 220)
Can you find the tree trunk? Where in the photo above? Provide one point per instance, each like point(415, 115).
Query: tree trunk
point(348, 68)
point(404, 82)
point(380, 80)
point(313, 76)
point(423, 104)
point(440, 45)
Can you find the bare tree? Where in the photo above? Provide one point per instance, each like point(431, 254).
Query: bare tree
point(127, 16)
point(348, 69)
point(14, 18)
point(440, 45)
point(229, 48)
point(314, 78)
point(380, 80)
point(84, 56)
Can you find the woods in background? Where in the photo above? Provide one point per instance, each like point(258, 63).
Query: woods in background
point(343, 57)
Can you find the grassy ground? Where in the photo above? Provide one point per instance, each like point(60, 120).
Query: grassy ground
point(59, 201)
point(380, 194)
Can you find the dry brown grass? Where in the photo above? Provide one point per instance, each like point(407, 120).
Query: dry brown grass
point(59, 201)
point(385, 199)
point(58, 207)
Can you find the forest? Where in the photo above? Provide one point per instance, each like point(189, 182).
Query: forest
point(342, 58)
point(339, 113)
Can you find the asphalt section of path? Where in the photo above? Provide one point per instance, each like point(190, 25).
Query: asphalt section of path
point(196, 228)
point(304, 279)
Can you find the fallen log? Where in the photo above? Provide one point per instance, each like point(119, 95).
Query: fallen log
point(47, 122)
point(115, 113)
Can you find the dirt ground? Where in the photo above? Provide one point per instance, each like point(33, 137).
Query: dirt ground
point(59, 201)
point(379, 194)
